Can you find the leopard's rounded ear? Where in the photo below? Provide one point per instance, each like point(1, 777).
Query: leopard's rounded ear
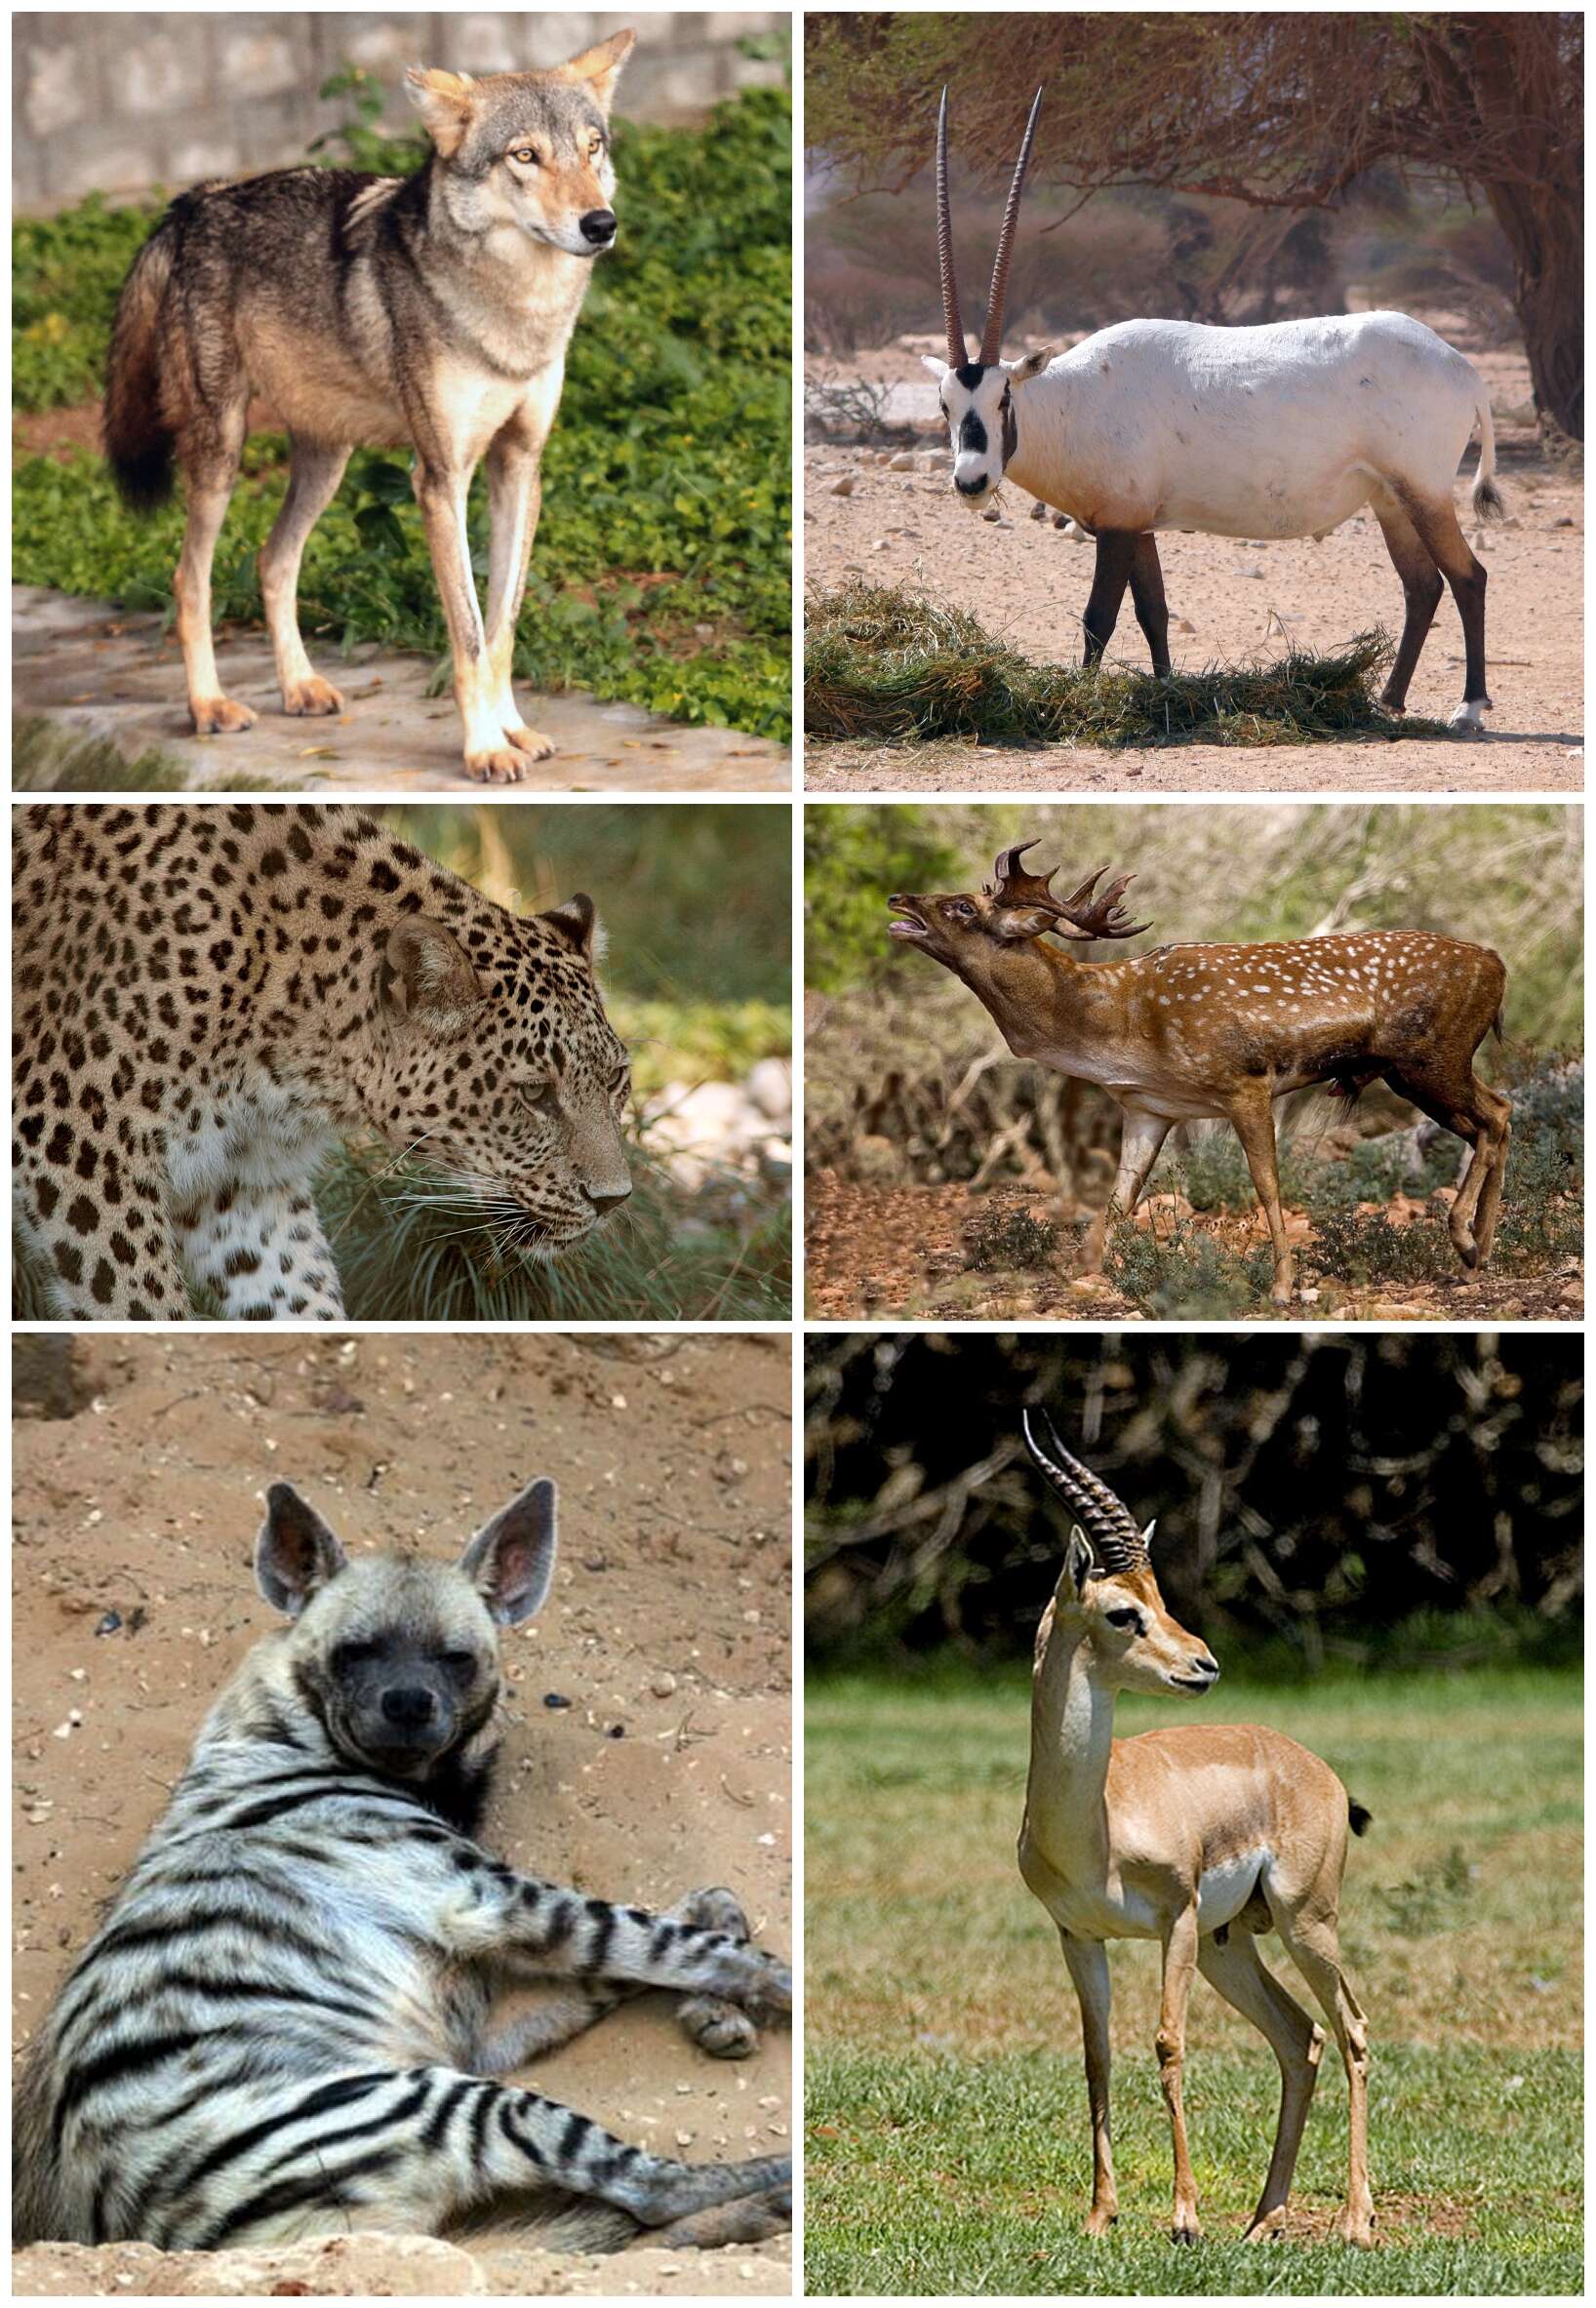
point(428, 976)
point(576, 923)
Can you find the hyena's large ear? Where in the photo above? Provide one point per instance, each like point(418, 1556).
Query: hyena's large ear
point(577, 923)
point(510, 1561)
point(600, 67)
point(444, 102)
point(295, 1553)
point(427, 974)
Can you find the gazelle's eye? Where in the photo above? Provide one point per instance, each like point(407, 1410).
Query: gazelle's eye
point(1123, 1618)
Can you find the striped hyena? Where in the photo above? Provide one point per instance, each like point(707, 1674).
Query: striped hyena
point(284, 2026)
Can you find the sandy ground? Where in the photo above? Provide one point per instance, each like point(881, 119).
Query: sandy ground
point(95, 671)
point(669, 1622)
point(900, 1253)
point(1228, 599)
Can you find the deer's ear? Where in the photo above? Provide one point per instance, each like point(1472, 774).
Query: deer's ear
point(1079, 1560)
point(1014, 924)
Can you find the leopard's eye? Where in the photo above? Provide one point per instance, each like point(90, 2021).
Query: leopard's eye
point(538, 1096)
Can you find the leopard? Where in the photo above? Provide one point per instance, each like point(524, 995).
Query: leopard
point(209, 996)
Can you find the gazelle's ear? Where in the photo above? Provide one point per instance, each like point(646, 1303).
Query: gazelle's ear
point(938, 368)
point(1079, 1560)
point(1147, 1535)
point(1029, 364)
point(295, 1552)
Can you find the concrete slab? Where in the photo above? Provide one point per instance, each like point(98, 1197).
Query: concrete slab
point(97, 671)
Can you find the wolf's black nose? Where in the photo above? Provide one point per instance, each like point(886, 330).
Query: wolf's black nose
point(599, 227)
point(408, 1705)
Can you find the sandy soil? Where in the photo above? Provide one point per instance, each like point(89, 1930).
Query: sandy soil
point(1229, 600)
point(669, 1625)
point(899, 1253)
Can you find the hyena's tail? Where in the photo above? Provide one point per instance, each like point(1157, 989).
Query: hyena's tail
point(140, 443)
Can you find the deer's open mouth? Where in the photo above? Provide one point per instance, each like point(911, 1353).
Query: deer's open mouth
point(913, 922)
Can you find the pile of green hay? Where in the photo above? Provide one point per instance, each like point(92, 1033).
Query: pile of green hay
point(882, 665)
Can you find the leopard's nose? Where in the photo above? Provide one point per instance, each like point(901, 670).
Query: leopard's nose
point(607, 1202)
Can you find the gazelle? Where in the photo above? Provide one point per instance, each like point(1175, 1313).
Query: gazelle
point(1280, 431)
point(1202, 1839)
point(1188, 1032)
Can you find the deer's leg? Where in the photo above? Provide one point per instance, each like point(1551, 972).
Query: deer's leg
point(1313, 1946)
point(1437, 527)
point(313, 477)
point(1252, 1117)
point(1140, 1144)
point(1421, 590)
point(1489, 1203)
point(1148, 599)
point(1479, 1116)
point(1242, 1977)
point(1116, 550)
point(1088, 1961)
point(1179, 1963)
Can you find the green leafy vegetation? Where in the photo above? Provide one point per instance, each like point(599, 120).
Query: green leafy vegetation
point(887, 665)
point(661, 573)
point(854, 860)
point(948, 2144)
point(998, 1240)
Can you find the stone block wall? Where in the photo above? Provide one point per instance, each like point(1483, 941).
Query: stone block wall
point(120, 103)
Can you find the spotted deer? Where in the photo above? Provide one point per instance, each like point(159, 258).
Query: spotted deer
point(1203, 1838)
point(1193, 1032)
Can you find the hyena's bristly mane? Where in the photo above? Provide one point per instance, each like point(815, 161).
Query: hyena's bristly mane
point(284, 2026)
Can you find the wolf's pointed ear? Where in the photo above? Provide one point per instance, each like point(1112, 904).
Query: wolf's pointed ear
point(295, 1553)
point(510, 1561)
point(428, 976)
point(600, 67)
point(576, 923)
point(444, 102)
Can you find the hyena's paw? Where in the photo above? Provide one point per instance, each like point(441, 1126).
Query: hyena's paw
point(714, 1910)
point(532, 742)
point(722, 2030)
point(499, 766)
point(312, 695)
point(220, 717)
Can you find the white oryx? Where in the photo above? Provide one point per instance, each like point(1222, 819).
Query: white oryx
point(1270, 432)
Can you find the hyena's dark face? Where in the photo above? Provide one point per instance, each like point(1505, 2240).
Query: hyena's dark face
point(397, 1657)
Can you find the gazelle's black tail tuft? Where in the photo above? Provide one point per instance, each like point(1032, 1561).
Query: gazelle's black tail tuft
point(1358, 1818)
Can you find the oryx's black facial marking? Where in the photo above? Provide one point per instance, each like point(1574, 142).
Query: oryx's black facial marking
point(1011, 427)
point(972, 435)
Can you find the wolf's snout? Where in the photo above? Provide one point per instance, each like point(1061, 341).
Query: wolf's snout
point(409, 1706)
point(598, 226)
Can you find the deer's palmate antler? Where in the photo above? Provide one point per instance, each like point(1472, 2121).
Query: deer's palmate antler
point(1090, 913)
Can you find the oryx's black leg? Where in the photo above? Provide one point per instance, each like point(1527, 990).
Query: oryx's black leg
point(1421, 591)
point(1116, 550)
point(1147, 596)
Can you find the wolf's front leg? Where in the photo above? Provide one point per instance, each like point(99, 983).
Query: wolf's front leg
point(514, 501)
point(547, 1933)
point(441, 492)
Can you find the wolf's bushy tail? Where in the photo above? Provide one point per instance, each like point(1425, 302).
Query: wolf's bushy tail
point(140, 443)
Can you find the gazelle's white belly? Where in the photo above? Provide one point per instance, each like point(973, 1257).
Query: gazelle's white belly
point(1120, 1908)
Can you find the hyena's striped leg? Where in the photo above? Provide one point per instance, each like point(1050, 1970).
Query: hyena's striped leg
point(717, 2027)
point(315, 474)
point(545, 1931)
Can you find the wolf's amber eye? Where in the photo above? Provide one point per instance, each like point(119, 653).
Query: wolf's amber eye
point(526, 156)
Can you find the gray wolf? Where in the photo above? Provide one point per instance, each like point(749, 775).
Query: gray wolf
point(284, 2026)
point(433, 309)
point(204, 999)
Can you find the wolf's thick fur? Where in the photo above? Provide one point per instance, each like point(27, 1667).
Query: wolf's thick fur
point(433, 309)
point(284, 2026)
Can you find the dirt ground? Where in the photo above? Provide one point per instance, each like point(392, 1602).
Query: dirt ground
point(1229, 599)
point(896, 1253)
point(668, 1632)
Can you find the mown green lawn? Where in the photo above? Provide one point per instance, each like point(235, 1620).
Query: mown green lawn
point(947, 2147)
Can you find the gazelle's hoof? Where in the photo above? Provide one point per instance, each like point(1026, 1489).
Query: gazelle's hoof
point(312, 696)
point(1100, 2219)
point(220, 717)
point(1355, 2228)
point(1266, 2227)
point(1187, 2230)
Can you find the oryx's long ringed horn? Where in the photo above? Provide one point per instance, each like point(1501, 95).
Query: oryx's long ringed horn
point(957, 354)
point(1110, 1525)
point(991, 343)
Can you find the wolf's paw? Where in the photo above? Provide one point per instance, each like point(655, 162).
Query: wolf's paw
point(312, 695)
point(499, 766)
point(532, 742)
point(220, 717)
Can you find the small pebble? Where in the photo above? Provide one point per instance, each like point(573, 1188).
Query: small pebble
point(616, 1731)
point(662, 1685)
point(554, 1698)
point(110, 1623)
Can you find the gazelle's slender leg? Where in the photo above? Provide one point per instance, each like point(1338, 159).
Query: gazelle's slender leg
point(1179, 1963)
point(1140, 1147)
point(1237, 1970)
point(1252, 1117)
point(1088, 1961)
point(1314, 1947)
